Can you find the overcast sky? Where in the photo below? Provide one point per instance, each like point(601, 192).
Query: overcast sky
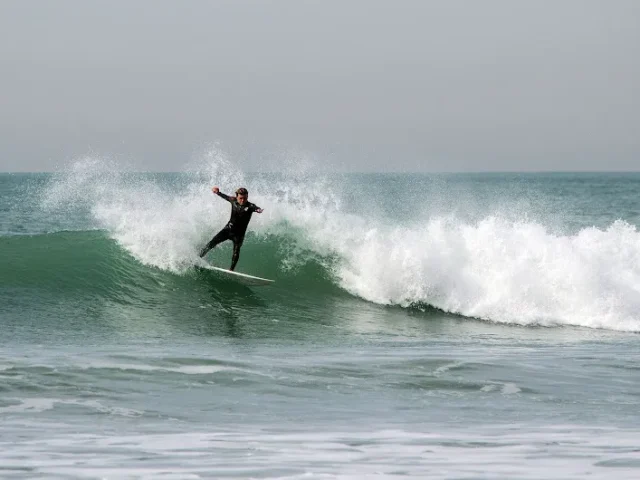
point(363, 85)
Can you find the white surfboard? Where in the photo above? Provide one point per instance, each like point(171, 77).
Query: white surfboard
point(242, 278)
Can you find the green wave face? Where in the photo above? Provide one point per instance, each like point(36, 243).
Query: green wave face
point(65, 262)
point(77, 284)
point(92, 264)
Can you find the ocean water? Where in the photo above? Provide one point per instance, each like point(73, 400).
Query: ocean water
point(469, 326)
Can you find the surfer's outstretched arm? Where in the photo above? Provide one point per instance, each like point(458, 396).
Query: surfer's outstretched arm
point(217, 191)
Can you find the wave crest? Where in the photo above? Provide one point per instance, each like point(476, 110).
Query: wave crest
point(496, 267)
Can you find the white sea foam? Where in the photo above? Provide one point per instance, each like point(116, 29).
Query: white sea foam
point(33, 405)
point(501, 271)
point(501, 452)
point(39, 405)
point(493, 268)
point(184, 369)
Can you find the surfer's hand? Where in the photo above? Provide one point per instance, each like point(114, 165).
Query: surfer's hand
point(215, 190)
point(259, 210)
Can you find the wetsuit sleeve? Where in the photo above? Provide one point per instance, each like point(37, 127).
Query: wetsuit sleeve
point(222, 195)
point(254, 207)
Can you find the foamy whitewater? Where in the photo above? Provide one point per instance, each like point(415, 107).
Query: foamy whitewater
point(378, 245)
point(426, 326)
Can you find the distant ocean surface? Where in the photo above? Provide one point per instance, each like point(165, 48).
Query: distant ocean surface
point(463, 326)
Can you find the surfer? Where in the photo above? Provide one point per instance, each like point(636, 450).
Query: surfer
point(234, 230)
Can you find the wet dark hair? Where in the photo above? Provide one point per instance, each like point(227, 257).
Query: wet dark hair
point(242, 191)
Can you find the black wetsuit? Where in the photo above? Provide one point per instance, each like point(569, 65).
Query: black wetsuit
point(235, 228)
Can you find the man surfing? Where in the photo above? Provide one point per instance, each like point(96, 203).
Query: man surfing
point(234, 230)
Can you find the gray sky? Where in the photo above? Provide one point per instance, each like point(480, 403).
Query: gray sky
point(363, 85)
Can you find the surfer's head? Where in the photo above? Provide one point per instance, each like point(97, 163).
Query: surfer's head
point(241, 195)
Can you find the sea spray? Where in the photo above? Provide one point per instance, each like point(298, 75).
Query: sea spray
point(504, 265)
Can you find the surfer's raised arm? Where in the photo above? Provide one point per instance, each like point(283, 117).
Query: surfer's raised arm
point(217, 191)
